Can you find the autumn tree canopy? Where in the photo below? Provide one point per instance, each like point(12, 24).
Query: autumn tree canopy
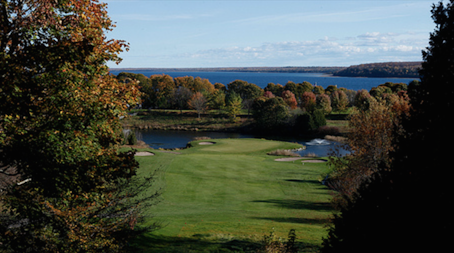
point(198, 102)
point(339, 100)
point(308, 100)
point(289, 99)
point(60, 129)
point(370, 142)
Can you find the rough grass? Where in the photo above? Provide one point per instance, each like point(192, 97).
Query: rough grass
point(226, 197)
point(341, 125)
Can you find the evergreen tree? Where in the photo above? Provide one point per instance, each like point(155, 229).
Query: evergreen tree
point(406, 208)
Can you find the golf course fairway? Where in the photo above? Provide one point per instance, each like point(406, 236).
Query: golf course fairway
point(224, 195)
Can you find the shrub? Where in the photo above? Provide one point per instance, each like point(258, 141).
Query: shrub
point(282, 152)
point(304, 123)
point(328, 130)
point(271, 244)
point(131, 138)
point(198, 138)
point(319, 118)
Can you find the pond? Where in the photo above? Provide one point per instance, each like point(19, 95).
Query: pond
point(169, 139)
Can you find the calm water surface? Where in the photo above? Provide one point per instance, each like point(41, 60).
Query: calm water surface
point(263, 78)
point(169, 139)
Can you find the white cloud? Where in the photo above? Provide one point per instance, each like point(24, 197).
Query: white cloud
point(369, 47)
point(327, 51)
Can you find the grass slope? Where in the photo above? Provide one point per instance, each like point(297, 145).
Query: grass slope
point(227, 196)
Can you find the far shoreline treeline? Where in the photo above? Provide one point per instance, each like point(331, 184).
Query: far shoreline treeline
point(385, 69)
point(327, 70)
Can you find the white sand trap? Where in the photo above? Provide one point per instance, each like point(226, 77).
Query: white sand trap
point(206, 143)
point(144, 154)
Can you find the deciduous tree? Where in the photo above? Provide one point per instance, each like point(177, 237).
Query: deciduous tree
point(318, 90)
point(308, 101)
point(323, 102)
point(350, 95)
point(306, 86)
point(363, 100)
point(370, 142)
point(330, 89)
point(203, 85)
point(270, 113)
point(268, 94)
point(60, 129)
point(234, 105)
point(181, 96)
point(217, 100)
point(162, 90)
point(220, 86)
point(145, 85)
point(378, 92)
point(289, 99)
point(198, 102)
point(296, 89)
point(339, 101)
point(247, 91)
point(276, 89)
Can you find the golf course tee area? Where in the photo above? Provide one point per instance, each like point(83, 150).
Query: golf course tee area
point(225, 195)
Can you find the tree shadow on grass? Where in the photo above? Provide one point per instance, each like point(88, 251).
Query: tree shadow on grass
point(320, 221)
point(303, 181)
point(196, 243)
point(165, 244)
point(317, 184)
point(297, 204)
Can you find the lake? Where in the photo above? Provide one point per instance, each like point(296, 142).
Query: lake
point(262, 79)
point(169, 139)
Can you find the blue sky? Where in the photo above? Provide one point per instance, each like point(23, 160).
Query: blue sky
point(253, 33)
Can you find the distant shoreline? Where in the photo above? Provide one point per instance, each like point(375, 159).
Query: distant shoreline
point(328, 70)
point(383, 70)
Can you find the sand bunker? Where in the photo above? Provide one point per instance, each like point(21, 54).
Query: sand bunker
point(286, 159)
point(206, 143)
point(143, 154)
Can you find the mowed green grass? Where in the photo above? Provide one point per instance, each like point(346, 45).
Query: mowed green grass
point(227, 196)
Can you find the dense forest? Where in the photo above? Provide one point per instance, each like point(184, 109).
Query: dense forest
point(299, 108)
point(385, 69)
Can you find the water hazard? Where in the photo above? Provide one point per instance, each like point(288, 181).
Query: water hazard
point(169, 139)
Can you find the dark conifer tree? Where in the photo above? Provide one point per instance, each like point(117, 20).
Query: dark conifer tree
point(407, 208)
